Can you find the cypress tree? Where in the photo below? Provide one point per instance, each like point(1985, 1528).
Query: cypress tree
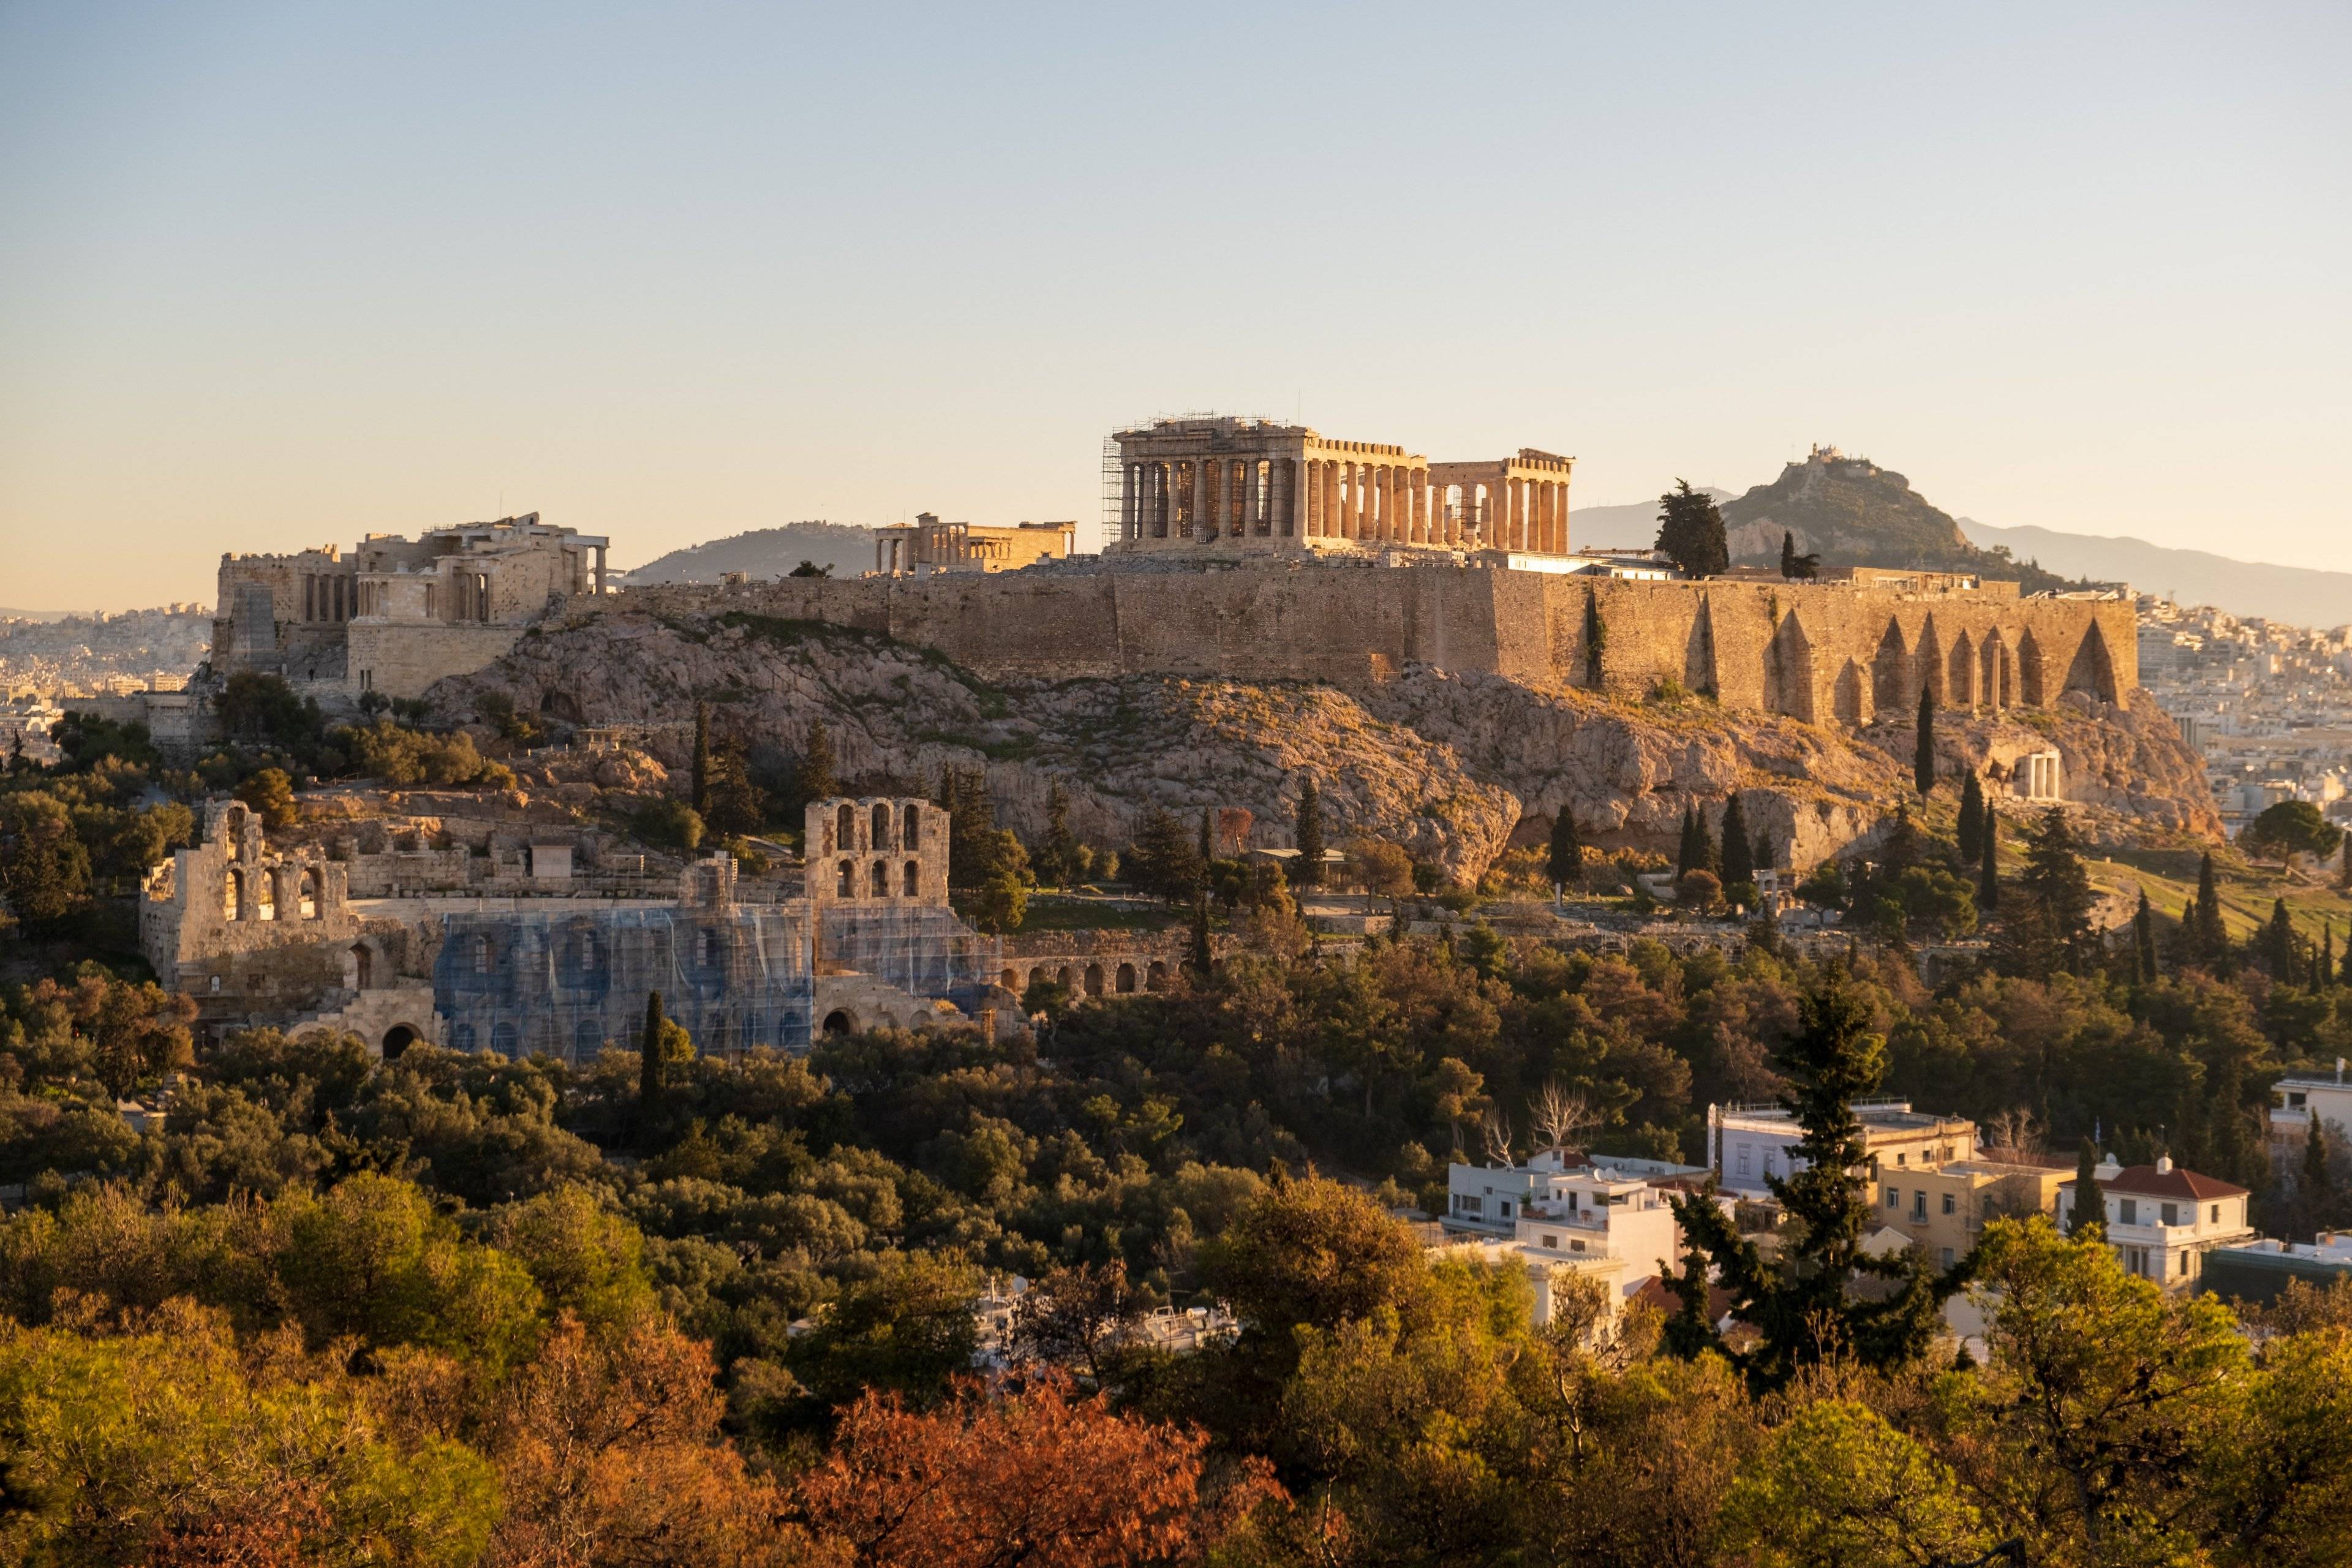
point(1202, 960)
point(1208, 839)
point(2089, 1212)
point(1788, 553)
point(1988, 867)
point(2278, 943)
point(2144, 938)
point(1703, 856)
point(2230, 1154)
point(702, 758)
point(2211, 937)
point(2324, 974)
point(1923, 753)
point(1309, 834)
point(650, 1063)
point(815, 780)
point(1566, 864)
point(1972, 815)
point(2315, 1197)
point(1738, 853)
point(1684, 851)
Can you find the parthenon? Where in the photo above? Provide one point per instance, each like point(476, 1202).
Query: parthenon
point(1254, 487)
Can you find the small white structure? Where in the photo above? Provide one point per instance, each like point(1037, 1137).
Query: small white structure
point(2162, 1220)
point(2037, 777)
point(2301, 1099)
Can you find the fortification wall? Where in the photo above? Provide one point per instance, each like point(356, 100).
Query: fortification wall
point(1825, 652)
point(402, 659)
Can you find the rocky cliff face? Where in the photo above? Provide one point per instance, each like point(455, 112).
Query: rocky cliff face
point(1453, 767)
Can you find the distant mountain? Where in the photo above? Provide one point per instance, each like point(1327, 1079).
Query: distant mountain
point(765, 552)
point(1621, 527)
point(2297, 595)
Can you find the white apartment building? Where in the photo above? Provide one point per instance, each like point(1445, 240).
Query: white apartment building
point(2162, 1220)
point(2301, 1099)
point(1489, 1199)
point(1746, 1144)
point(1564, 1212)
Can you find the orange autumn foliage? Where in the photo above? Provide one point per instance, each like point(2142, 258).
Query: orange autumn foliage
point(1040, 1478)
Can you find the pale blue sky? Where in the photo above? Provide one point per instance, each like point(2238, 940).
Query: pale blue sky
point(279, 274)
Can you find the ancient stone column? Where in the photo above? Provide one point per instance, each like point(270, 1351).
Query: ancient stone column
point(1519, 493)
point(1130, 476)
point(1543, 515)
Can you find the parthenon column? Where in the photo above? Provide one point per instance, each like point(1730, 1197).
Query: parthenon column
point(1327, 521)
point(1521, 538)
point(1543, 515)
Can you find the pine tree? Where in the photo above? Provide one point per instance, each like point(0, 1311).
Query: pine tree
point(2057, 883)
point(1057, 859)
point(1309, 834)
point(1988, 867)
point(1566, 864)
point(2278, 943)
point(1739, 862)
point(1972, 819)
point(813, 780)
point(702, 759)
point(1804, 1302)
point(2144, 938)
point(2231, 1153)
point(2210, 937)
point(1923, 751)
point(651, 1056)
point(2089, 1212)
point(1690, 531)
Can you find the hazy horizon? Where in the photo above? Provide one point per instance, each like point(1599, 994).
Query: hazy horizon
point(275, 276)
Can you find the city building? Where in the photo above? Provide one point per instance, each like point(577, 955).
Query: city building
point(1746, 1144)
point(2259, 1270)
point(1569, 1214)
point(1945, 1208)
point(2162, 1220)
point(2301, 1099)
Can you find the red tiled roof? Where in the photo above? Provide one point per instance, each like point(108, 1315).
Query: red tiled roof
point(1656, 1292)
point(2147, 1181)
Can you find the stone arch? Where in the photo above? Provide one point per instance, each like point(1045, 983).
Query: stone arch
point(1093, 979)
point(397, 1040)
point(881, 878)
point(1789, 670)
point(1960, 684)
point(1156, 977)
point(845, 879)
point(485, 954)
point(2093, 668)
point(1036, 974)
point(910, 826)
point(1699, 652)
point(2030, 693)
point(1124, 980)
point(262, 885)
point(362, 967)
point(1930, 661)
point(232, 895)
point(1994, 674)
point(1009, 981)
point(1851, 701)
point(844, 826)
point(1062, 978)
point(306, 895)
point(881, 824)
point(840, 1021)
point(1890, 671)
point(912, 885)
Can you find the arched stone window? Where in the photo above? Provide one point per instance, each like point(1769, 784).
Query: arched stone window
point(233, 896)
point(1156, 977)
point(363, 966)
point(881, 839)
point(263, 887)
point(910, 826)
point(1094, 980)
point(713, 951)
point(1007, 979)
point(844, 826)
point(1126, 978)
point(307, 895)
point(881, 878)
point(583, 948)
point(1036, 974)
point(914, 883)
point(1062, 978)
point(483, 954)
point(846, 881)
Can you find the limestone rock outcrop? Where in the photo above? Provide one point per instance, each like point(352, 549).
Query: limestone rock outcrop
point(1454, 767)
